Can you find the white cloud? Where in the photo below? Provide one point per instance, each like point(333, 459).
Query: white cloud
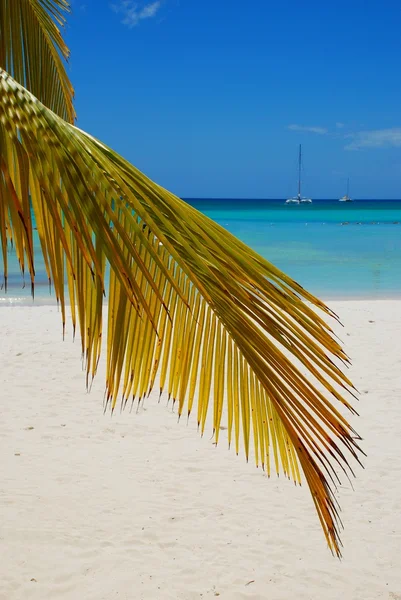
point(149, 10)
point(378, 138)
point(340, 125)
point(319, 130)
point(134, 12)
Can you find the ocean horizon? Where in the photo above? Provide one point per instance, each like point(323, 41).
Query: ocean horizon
point(334, 250)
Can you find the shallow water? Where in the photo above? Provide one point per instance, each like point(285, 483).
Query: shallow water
point(335, 250)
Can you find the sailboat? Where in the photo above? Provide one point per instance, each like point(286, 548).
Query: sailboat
point(298, 199)
point(346, 198)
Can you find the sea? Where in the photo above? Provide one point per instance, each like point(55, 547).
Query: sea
point(336, 250)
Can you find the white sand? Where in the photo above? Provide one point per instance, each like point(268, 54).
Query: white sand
point(138, 506)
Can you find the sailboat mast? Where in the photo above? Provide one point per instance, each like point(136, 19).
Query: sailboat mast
point(299, 171)
point(348, 187)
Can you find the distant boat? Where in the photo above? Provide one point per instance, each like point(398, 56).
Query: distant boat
point(298, 199)
point(346, 198)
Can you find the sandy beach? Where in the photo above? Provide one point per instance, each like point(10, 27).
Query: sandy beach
point(138, 506)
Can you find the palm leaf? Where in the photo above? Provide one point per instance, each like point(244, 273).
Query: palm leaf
point(191, 309)
point(32, 49)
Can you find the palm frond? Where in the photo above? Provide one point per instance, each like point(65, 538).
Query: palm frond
point(32, 49)
point(191, 309)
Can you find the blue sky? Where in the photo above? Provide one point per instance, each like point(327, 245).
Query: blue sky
point(210, 98)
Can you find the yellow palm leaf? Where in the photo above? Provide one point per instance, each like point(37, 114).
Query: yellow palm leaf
point(190, 307)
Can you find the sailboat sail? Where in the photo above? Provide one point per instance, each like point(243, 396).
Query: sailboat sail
point(298, 199)
point(346, 198)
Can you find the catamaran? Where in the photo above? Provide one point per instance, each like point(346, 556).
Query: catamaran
point(298, 199)
point(346, 198)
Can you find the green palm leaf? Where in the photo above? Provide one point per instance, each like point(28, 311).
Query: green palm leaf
point(32, 48)
point(191, 309)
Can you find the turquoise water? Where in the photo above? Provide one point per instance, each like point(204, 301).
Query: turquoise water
point(335, 250)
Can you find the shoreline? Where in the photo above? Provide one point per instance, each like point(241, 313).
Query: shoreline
point(40, 301)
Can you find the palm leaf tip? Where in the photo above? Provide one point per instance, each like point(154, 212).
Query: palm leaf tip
point(191, 309)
